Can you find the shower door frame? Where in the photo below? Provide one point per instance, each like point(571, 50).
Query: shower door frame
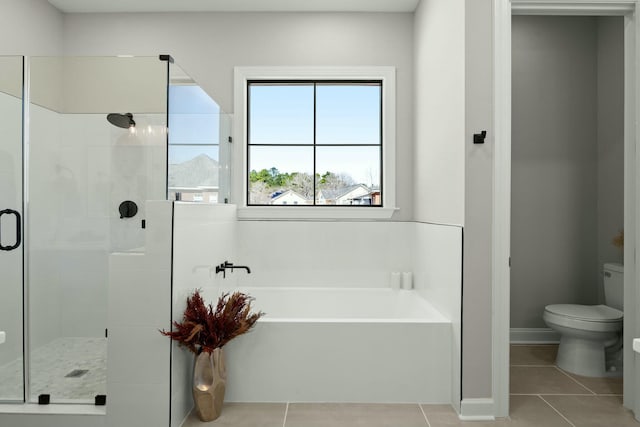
point(501, 222)
point(26, 102)
point(19, 246)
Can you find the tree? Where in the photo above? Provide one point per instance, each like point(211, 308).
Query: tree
point(265, 182)
point(262, 176)
point(259, 193)
point(302, 183)
point(271, 177)
point(332, 181)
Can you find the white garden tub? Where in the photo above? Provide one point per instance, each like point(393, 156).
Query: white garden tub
point(340, 345)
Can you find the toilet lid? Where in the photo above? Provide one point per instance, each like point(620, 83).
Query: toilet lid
point(593, 313)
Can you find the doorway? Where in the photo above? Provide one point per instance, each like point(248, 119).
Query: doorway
point(503, 174)
point(567, 197)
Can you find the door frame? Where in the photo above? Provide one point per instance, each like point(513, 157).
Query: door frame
point(501, 221)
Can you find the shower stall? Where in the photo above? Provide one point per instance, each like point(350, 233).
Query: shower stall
point(85, 144)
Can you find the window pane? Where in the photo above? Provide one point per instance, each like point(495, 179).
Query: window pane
point(194, 173)
point(280, 114)
point(348, 176)
point(191, 99)
point(348, 113)
point(280, 175)
point(194, 128)
point(194, 118)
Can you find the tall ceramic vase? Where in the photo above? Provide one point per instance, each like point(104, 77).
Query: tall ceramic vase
point(209, 384)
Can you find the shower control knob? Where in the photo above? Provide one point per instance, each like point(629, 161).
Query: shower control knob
point(128, 209)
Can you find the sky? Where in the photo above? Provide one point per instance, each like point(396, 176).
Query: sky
point(284, 114)
point(194, 118)
point(345, 114)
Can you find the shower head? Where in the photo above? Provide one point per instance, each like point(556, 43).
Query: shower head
point(124, 121)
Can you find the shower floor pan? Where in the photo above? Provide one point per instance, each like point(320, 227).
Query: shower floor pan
point(68, 369)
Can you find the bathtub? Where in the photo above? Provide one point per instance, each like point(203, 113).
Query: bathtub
point(340, 345)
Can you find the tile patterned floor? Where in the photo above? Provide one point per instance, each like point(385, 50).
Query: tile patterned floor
point(541, 396)
point(52, 362)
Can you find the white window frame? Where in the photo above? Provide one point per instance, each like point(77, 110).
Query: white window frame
point(238, 191)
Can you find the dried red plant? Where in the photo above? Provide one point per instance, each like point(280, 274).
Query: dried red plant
point(205, 328)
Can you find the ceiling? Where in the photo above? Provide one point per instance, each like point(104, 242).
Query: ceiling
point(93, 6)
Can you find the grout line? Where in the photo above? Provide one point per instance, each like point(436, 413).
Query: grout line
point(576, 381)
point(286, 412)
point(533, 366)
point(424, 415)
point(558, 412)
point(553, 394)
point(524, 344)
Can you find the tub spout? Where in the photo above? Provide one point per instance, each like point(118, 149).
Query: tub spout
point(229, 265)
point(243, 266)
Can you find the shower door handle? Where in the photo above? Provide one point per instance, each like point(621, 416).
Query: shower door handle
point(18, 230)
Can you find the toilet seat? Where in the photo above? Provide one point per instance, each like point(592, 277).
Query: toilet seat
point(594, 313)
point(596, 318)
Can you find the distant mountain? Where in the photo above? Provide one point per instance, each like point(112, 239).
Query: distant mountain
point(201, 171)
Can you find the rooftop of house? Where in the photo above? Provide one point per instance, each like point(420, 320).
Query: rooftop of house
point(201, 171)
point(281, 194)
point(332, 194)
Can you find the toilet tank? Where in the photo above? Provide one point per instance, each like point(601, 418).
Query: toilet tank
point(614, 285)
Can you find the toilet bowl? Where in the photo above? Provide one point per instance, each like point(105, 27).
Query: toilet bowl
point(586, 331)
point(591, 335)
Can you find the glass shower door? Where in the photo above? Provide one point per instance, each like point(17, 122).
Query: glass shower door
point(97, 153)
point(11, 254)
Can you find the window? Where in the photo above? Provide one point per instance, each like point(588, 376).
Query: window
point(317, 142)
point(194, 163)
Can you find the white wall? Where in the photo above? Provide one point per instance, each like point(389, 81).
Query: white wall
point(204, 236)
point(436, 259)
point(567, 153)
point(439, 111)
point(30, 27)
point(554, 164)
point(101, 85)
point(338, 254)
point(610, 139)
point(208, 45)
point(139, 302)
point(11, 78)
point(478, 199)
point(453, 178)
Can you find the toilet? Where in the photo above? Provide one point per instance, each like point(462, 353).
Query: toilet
point(591, 335)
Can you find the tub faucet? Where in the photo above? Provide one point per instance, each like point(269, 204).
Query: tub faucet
point(229, 265)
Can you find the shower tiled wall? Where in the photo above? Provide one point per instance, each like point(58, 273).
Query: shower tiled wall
point(341, 254)
point(139, 305)
point(204, 235)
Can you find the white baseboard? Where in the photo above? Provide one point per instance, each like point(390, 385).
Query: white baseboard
point(476, 410)
point(533, 336)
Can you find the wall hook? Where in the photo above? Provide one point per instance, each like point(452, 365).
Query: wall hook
point(478, 138)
